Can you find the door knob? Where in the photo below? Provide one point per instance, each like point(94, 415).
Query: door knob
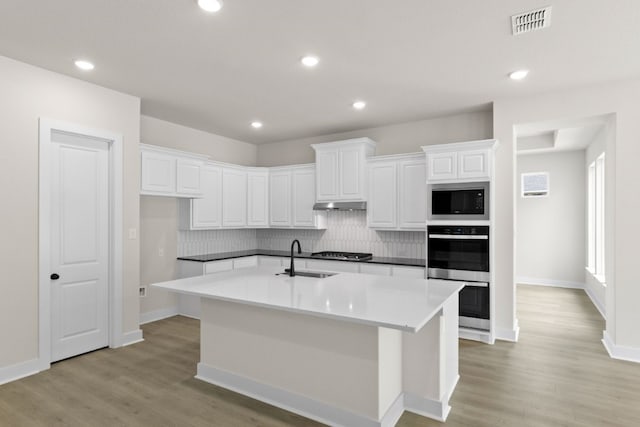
point(55, 276)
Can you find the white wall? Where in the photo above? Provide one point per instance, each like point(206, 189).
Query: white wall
point(550, 231)
point(393, 139)
point(159, 215)
point(27, 94)
point(622, 100)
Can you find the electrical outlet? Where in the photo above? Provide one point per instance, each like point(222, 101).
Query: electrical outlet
point(143, 291)
point(133, 234)
point(160, 251)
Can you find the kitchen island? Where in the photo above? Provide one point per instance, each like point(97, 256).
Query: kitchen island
point(349, 349)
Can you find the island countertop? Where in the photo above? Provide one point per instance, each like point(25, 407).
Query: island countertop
point(391, 302)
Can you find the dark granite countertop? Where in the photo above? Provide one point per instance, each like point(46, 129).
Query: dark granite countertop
point(411, 262)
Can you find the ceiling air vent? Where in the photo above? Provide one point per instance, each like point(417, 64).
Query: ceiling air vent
point(531, 21)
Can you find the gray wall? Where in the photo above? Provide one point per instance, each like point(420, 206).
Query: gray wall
point(550, 232)
point(394, 139)
point(29, 93)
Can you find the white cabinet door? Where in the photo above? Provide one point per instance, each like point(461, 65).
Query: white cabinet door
point(188, 180)
point(245, 262)
point(474, 164)
point(441, 166)
point(234, 198)
point(218, 266)
point(207, 211)
point(280, 199)
point(327, 175)
point(304, 197)
point(350, 173)
point(258, 199)
point(412, 194)
point(158, 173)
point(382, 204)
point(271, 261)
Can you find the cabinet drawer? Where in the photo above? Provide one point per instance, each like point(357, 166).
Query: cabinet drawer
point(339, 266)
point(378, 269)
point(412, 272)
point(270, 261)
point(218, 266)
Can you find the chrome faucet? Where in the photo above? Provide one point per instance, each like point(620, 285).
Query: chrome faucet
point(292, 270)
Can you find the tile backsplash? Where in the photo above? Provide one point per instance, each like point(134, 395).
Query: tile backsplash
point(202, 242)
point(346, 231)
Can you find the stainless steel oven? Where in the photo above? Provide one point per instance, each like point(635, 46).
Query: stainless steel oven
point(462, 253)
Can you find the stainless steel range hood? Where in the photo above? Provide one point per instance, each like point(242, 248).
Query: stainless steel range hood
point(340, 206)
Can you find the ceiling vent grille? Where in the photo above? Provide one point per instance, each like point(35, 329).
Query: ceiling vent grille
point(531, 21)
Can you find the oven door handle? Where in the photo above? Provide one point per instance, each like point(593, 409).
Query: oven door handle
point(476, 284)
point(458, 237)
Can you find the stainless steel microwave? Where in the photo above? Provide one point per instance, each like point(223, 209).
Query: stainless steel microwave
point(459, 201)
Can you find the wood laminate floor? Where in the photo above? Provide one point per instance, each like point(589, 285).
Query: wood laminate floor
point(558, 374)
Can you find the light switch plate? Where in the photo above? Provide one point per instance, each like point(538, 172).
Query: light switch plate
point(133, 234)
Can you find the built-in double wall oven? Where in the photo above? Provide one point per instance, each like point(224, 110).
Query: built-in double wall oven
point(462, 253)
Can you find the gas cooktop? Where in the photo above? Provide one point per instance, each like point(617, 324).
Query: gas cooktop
point(348, 256)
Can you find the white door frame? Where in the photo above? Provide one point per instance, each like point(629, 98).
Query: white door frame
point(47, 126)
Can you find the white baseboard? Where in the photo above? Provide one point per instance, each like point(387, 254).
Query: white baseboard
point(435, 409)
point(301, 405)
point(156, 315)
point(131, 337)
point(475, 335)
point(19, 370)
point(508, 334)
point(595, 302)
point(630, 354)
point(550, 282)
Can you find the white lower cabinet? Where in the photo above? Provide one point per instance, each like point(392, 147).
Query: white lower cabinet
point(245, 262)
point(272, 261)
point(407, 271)
point(337, 266)
point(377, 269)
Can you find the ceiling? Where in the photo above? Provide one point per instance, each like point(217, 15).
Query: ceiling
point(409, 60)
point(558, 135)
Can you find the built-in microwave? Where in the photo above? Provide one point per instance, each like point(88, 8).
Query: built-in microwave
point(466, 201)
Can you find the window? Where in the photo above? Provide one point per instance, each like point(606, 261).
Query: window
point(595, 220)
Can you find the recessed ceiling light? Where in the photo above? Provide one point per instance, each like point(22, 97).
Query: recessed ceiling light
point(359, 105)
point(256, 125)
point(210, 5)
point(519, 75)
point(84, 65)
point(310, 61)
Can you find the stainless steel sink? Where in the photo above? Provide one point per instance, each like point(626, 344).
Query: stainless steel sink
point(306, 273)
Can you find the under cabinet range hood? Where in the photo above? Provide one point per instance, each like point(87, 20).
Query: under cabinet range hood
point(340, 206)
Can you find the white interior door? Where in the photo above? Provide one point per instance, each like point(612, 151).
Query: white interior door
point(79, 245)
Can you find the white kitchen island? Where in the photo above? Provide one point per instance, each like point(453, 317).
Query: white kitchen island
point(348, 350)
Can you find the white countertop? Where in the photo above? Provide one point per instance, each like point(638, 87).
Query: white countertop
point(392, 302)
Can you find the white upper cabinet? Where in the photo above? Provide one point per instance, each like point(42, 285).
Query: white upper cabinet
point(460, 162)
point(292, 196)
point(397, 196)
point(204, 213)
point(304, 191)
point(258, 197)
point(234, 197)
point(412, 193)
point(166, 172)
point(280, 198)
point(341, 173)
point(383, 201)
